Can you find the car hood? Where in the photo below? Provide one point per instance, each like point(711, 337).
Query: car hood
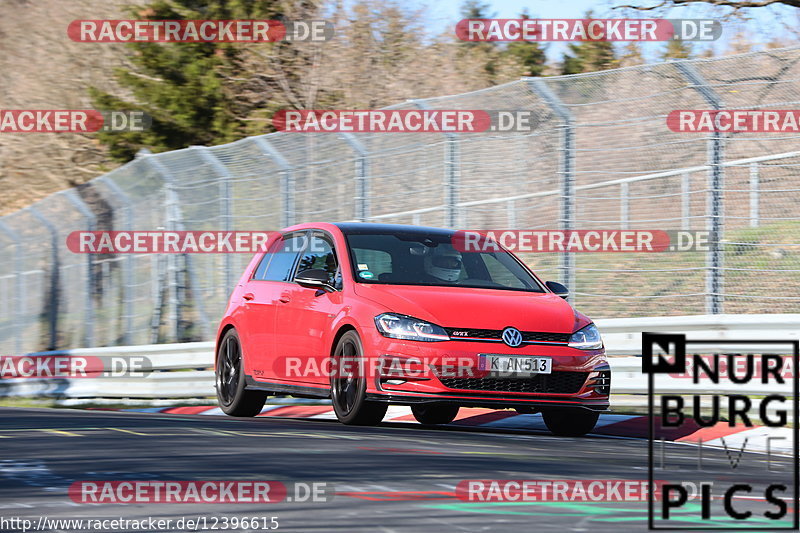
point(460, 307)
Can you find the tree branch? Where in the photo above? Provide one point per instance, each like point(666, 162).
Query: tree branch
point(735, 4)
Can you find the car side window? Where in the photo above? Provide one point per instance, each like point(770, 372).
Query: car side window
point(378, 262)
point(319, 255)
point(277, 264)
point(261, 269)
point(500, 273)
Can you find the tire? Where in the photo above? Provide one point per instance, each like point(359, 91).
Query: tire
point(349, 390)
point(232, 397)
point(434, 413)
point(570, 421)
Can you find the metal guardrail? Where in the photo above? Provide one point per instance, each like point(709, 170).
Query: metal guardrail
point(178, 371)
point(622, 336)
point(183, 371)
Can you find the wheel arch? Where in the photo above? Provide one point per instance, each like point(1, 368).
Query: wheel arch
point(222, 332)
point(344, 328)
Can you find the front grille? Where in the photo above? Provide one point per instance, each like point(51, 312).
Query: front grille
point(475, 333)
point(555, 383)
point(539, 336)
point(497, 334)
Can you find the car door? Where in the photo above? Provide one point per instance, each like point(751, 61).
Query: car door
point(260, 301)
point(304, 316)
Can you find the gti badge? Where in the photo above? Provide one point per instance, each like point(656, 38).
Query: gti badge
point(512, 337)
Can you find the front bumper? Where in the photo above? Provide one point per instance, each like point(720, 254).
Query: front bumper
point(489, 402)
point(433, 372)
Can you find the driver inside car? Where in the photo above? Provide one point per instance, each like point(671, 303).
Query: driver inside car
point(443, 264)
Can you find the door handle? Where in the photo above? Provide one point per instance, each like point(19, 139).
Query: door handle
point(248, 296)
point(285, 299)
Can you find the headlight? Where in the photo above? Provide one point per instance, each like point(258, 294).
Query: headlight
point(409, 328)
point(587, 338)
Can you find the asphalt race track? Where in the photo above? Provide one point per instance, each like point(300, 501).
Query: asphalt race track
point(395, 477)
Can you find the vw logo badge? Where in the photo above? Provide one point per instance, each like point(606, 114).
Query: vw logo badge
point(512, 337)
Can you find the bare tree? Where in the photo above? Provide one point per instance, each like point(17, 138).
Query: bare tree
point(736, 4)
point(41, 68)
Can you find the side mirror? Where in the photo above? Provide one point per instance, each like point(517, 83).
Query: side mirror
point(558, 289)
point(313, 278)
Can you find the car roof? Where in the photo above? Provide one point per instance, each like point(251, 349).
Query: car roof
point(362, 228)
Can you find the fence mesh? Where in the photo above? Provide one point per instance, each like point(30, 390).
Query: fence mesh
point(601, 157)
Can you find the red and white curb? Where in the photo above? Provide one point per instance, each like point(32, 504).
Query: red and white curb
point(754, 439)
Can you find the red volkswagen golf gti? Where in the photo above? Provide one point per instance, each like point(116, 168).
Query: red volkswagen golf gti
point(371, 315)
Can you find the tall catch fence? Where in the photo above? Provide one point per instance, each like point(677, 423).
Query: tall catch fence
point(601, 157)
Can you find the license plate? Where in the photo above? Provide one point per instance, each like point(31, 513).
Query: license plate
point(515, 365)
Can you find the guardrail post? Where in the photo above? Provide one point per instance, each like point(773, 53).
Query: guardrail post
point(175, 223)
point(754, 195)
point(91, 224)
point(287, 179)
point(362, 206)
point(452, 173)
point(714, 273)
point(19, 298)
point(127, 265)
point(225, 200)
point(52, 299)
point(567, 171)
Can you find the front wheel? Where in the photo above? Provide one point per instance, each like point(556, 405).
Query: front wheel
point(570, 421)
point(349, 385)
point(434, 413)
point(232, 397)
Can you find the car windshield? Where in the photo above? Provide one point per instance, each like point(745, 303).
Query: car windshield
point(429, 258)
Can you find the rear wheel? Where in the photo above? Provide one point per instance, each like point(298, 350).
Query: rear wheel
point(570, 421)
point(434, 413)
point(232, 397)
point(349, 385)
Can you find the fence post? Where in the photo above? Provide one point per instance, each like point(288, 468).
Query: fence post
point(714, 273)
point(511, 214)
point(226, 213)
point(686, 191)
point(127, 285)
point(362, 207)
point(624, 215)
point(754, 195)
point(19, 298)
point(52, 300)
point(175, 223)
point(567, 222)
point(452, 173)
point(91, 224)
point(287, 179)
